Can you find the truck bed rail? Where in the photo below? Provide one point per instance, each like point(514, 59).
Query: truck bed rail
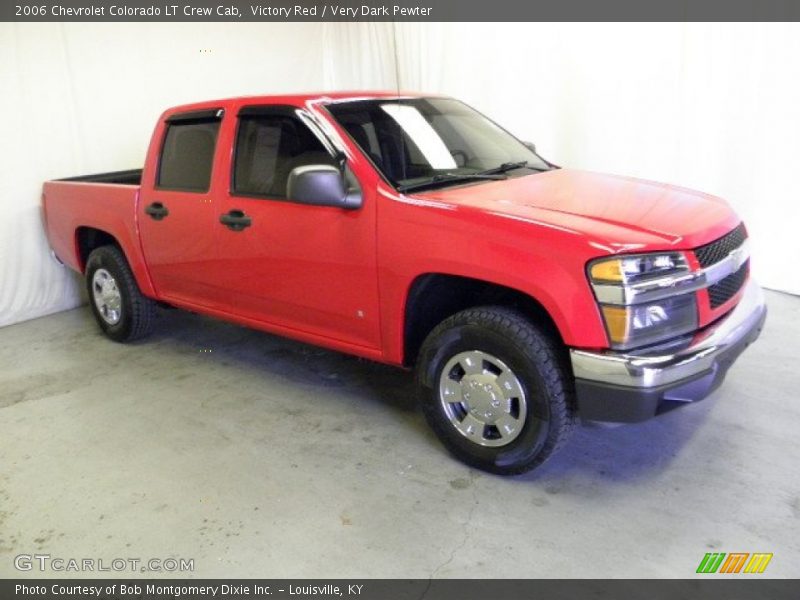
point(129, 177)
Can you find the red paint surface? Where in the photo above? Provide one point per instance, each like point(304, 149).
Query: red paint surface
point(340, 278)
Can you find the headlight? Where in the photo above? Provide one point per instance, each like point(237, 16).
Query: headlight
point(645, 324)
point(632, 269)
point(640, 298)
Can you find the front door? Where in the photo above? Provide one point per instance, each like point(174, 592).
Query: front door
point(306, 268)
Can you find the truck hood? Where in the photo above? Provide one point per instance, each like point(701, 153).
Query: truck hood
point(620, 213)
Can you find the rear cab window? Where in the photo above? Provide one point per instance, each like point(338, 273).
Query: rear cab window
point(187, 152)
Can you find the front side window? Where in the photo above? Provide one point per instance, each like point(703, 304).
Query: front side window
point(268, 147)
point(420, 140)
point(187, 154)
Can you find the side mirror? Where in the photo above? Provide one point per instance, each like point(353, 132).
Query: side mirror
point(320, 185)
point(530, 146)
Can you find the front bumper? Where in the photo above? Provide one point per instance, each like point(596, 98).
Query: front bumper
point(620, 387)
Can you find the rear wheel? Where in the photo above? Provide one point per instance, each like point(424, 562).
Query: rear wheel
point(495, 390)
point(121, 310)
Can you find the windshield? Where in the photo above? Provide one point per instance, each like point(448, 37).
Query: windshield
point(418, 142)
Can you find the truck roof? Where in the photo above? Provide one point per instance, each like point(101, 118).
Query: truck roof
point(294, 99)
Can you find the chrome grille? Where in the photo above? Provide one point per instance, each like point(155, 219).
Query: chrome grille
point(717, 250)
point(725, 289)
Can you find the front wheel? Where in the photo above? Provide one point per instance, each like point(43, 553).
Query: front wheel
point(494, 388)
point(122, 312)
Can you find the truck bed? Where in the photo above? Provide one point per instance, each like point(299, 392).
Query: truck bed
point(105, 202)
point(129, 177)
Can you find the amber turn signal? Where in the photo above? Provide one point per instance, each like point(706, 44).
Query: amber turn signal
point(617, 323)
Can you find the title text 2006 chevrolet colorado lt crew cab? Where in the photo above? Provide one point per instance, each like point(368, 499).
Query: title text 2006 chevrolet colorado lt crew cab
point(414, 231)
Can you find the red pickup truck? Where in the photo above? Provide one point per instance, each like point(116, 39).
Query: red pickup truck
point(414, 231)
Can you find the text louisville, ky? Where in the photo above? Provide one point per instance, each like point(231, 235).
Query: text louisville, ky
point(178, 591)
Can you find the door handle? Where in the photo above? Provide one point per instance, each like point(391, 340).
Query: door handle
point(235, 220)
point(157, 211)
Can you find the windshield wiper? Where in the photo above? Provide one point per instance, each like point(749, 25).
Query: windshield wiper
point(510, 166)
point(445, 178)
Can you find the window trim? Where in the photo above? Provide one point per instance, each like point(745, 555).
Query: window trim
point(254, 111)
point(210, 115)
point(196, 115)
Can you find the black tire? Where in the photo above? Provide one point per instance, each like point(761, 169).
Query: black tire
point(136, 312)
point(536, 362)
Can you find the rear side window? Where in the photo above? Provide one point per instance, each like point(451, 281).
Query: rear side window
point(188, 154)
point(268, 147)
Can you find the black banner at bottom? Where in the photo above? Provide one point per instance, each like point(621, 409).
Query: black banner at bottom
point(400, 589)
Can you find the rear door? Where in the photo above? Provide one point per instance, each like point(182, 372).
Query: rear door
point(178, 217)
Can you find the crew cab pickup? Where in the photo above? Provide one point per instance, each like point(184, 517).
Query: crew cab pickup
point(414, 231)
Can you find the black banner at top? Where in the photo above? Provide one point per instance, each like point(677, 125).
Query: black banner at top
point(398, 10)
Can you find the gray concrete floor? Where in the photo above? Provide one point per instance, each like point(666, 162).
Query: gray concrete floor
point(257, 456)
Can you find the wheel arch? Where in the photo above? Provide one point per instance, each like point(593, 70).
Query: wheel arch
point(433, 297)
point(88, 238)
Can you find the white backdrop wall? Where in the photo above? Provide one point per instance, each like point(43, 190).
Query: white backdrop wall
point(708, 106)
point(715, 107)
point(84, 98)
